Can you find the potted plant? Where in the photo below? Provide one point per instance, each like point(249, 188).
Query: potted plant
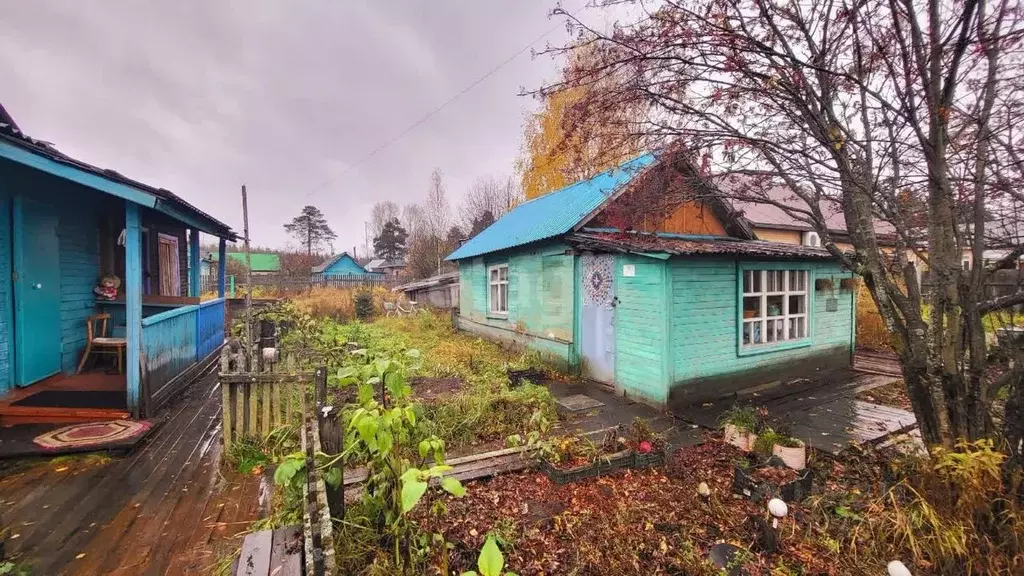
point(791, 451)
point(739, 425)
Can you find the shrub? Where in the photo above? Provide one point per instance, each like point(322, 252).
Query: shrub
point(364, 305)
point(871, 330)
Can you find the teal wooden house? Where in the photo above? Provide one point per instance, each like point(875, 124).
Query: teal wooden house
point(643, 278)
point(64, 227)
point(344, 265)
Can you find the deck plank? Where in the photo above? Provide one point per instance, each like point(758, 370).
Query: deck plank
point(154, 511)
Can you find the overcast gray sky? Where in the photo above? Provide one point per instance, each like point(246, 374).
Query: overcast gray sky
point(199, 97)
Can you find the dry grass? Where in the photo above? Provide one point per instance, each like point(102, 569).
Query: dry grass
point(339, 303)
point(871, 330)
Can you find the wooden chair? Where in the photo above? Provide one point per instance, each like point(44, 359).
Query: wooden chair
point(101, 344)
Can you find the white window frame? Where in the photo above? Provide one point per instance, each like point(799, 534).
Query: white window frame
point(760, 322)
point(497, 306)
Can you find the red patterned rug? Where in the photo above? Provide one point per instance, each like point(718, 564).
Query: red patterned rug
point(93, 434)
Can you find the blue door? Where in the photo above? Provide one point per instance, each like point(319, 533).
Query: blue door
point(36, 292)
point(597, 339)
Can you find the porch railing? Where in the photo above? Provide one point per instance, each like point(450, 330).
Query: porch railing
point(173, 342)
point(211, 327)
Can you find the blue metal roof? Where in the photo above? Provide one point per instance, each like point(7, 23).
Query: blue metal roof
point(551, 215)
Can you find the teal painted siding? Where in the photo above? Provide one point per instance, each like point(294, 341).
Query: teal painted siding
point(705, 319)
point(541, 299)
point(6, 295)
point(77, 210)
point(642, 328)
point(346, 266)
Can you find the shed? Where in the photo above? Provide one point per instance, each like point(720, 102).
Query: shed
point(645, 279)
point(261, 263)
point(441, 291)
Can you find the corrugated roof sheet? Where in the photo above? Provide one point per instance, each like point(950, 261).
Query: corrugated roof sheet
point(551, 215)
point(693, 245)
point(261, 262)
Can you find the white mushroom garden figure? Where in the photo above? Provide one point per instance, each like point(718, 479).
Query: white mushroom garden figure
point(778, 509)
point(897, 568)
point(703, 490)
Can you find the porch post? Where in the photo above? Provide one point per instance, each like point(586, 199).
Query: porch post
point(222, 266)
point(193, 263)
point(133, 303)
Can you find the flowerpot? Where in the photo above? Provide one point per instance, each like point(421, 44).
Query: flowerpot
point(739, 437)
point(795, 458)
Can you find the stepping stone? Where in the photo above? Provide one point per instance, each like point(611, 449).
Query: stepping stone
point(578, 403)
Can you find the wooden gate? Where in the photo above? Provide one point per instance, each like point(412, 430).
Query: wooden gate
point(255, 403)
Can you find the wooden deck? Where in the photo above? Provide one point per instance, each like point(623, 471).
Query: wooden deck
point(168, 508)
point(823, 411)
point(11, 415)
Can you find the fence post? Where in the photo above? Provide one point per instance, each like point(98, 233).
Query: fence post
point(331, 441)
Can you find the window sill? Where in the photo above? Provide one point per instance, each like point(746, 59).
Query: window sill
point(755, 349)
point(497, 315)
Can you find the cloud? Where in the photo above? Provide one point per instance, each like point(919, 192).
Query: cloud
point(201, 97)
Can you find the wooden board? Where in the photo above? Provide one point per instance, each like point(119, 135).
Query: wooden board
point(286, 554)
point(255, 557)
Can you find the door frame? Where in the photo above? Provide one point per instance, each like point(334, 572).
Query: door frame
point(612, 313)
point(18, 202)
point(161, 238)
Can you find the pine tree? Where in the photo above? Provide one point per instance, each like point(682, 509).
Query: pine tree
point(310, 227)
point(390, 244)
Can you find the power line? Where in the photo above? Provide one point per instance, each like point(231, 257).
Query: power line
point(434, 112)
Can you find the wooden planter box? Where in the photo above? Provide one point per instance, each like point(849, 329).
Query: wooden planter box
point(744, 482)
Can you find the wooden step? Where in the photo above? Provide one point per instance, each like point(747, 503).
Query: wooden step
point(11, 415)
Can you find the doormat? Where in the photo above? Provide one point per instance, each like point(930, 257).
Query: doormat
point(116, 399)
point(94, 434)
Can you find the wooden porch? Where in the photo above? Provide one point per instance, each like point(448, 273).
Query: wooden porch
point(15, 410)
point(168, 508)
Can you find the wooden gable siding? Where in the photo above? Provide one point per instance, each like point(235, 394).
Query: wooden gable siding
point(776, 235)
point(688, 217)
point(691, 218)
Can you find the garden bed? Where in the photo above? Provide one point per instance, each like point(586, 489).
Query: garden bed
point(428, 389)
point(773, 480)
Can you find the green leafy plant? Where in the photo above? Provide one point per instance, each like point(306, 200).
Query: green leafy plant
point(491, 562)
point(743, 417)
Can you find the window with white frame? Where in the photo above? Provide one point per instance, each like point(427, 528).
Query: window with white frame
point(498, 289)
point(774, 306)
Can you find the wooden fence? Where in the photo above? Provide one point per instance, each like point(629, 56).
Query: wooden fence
point(285, 283)
point(255, 403)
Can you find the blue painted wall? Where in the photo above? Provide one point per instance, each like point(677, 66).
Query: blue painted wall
point(346, 266)
point(6, 291)
point(77, 209)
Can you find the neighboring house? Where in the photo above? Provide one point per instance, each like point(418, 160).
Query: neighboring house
point(771, 223)
point(441, 291)
point(389, 268)
point(687, 306)
point(343, 265)
point(262, 264)
point(65, 226)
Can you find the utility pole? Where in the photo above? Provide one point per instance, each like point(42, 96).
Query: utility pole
point(248, 282)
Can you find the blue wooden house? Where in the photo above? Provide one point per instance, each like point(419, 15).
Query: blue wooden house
point(65, 225)
point(343, 265)
point(645, 279)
